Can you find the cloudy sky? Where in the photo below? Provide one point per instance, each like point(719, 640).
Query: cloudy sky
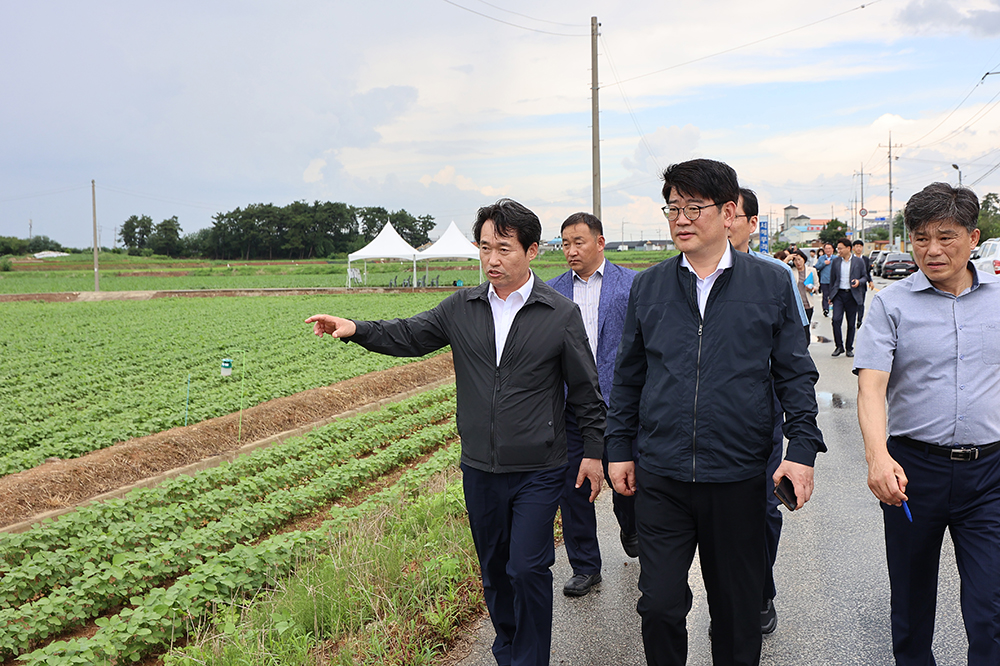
point(440, 106)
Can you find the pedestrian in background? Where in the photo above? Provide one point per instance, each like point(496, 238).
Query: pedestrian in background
point(847, 290)
point(743, 226)
point(823, 264)
point(931, 346)
point(858, 248)
point(807, 284)
point(601, 290)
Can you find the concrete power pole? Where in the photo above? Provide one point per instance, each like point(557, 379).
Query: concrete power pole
point(93, 198)
point(595, 125)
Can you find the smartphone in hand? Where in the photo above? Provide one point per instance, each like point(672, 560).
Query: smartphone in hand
point(785, 492)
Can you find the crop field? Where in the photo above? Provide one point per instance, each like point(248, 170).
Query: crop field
point(116, 581)
point(75, 377)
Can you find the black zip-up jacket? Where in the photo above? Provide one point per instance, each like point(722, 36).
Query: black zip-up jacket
point(697, 392)
point(510, 417)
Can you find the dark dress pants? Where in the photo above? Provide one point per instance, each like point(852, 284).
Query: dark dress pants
point(772, 516)
point(843, 302)
point(511, 517)
point(579, 517)
point(965, 498)
point(825, 290)
point(725, 522)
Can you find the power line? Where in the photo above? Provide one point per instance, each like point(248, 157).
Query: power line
point(155, 197)
point(513, 25)
point(628, 105)
point(568, 25)
point(743, 46)
point(45, 193)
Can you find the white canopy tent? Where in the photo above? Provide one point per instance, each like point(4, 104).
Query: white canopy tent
point(387, 245)
point(452, 245)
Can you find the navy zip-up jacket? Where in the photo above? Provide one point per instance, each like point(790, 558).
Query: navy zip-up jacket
point(511, 416)
point(697, 392)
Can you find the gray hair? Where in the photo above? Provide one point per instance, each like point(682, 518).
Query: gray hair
point(938, 202)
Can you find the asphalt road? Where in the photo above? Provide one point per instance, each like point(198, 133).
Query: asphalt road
point(833, 589)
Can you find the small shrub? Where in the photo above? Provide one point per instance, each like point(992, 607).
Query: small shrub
point(6, 265)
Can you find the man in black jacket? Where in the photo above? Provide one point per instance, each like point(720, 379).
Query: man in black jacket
point(848, 283)
point(516, 343)
point(706, 332)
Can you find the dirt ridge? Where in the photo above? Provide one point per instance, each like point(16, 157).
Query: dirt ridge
point(54, 487)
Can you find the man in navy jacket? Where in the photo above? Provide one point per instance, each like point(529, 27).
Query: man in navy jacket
point(706, 332)
point(601, 289)
point(847, 293)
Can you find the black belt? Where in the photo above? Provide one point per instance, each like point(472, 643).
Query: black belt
point(960, 453)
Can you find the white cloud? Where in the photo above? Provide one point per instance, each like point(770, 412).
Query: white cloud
point(447, 176)
point(314, 172)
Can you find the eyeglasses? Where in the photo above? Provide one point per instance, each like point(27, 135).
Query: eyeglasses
point(691, 212)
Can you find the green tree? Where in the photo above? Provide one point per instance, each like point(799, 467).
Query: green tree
point(135, 232)
point(166, 238)
point(989, 217)
point(878, 233)
point(833, 230)
point(371, 219)
point(414, 230)
point(11, 245)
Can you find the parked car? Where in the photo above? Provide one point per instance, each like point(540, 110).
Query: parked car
point(898, 264)
point(879, 260)
point(987, 256)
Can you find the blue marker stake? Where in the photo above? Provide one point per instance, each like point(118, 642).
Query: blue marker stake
point(909, 516)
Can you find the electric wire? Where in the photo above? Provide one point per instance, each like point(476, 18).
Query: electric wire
point(154, 197)
point(743, 46)
point(513, 25)
point(628, 105)
point(46, 193)
point(531, 18)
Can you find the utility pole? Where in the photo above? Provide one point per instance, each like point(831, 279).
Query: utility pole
point(30, 225)
point(595, 126)
point(891, 221)
point(93, 198)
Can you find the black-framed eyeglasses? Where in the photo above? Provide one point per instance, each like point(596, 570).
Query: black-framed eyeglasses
point(691, 212)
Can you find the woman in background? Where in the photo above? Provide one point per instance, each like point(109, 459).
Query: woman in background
point(808, 283)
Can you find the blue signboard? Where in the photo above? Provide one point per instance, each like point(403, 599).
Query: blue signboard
point(764, 241)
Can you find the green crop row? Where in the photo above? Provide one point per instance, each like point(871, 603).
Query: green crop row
point(161, 617)
point(101, 586)
point(77, 377)
point(147, 516)
point(140, 504)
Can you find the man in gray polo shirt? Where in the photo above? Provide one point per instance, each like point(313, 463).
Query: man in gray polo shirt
point(931, 344)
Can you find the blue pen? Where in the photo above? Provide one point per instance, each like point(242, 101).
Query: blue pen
point(909, 516)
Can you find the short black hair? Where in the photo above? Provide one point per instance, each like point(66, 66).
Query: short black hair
point(510, 218)
point(941, 201)
point(750, 205)
point(859, 242)
point(704, 178)
point(591, 221)
point(844, 240)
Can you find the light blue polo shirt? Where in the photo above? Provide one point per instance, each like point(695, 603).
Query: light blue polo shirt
point(942, 353)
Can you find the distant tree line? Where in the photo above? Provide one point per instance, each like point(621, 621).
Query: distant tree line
point(22, 246)
point(265, 231)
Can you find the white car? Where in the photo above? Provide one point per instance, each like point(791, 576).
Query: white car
point(987, 256)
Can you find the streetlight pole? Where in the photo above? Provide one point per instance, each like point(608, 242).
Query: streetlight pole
point(955, 166)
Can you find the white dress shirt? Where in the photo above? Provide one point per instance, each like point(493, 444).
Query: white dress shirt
point(845, 274)
point(705, 285)
point(587, 294)
point(504, 311)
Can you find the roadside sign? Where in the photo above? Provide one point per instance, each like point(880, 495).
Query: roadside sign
point(764, 240)
point(863, 212)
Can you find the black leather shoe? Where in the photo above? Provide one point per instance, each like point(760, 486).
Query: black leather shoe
point(838, 351)
point(630, 542)
point(850, 353)
point(768, 618)
point(580, 584)
point(826, 313)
